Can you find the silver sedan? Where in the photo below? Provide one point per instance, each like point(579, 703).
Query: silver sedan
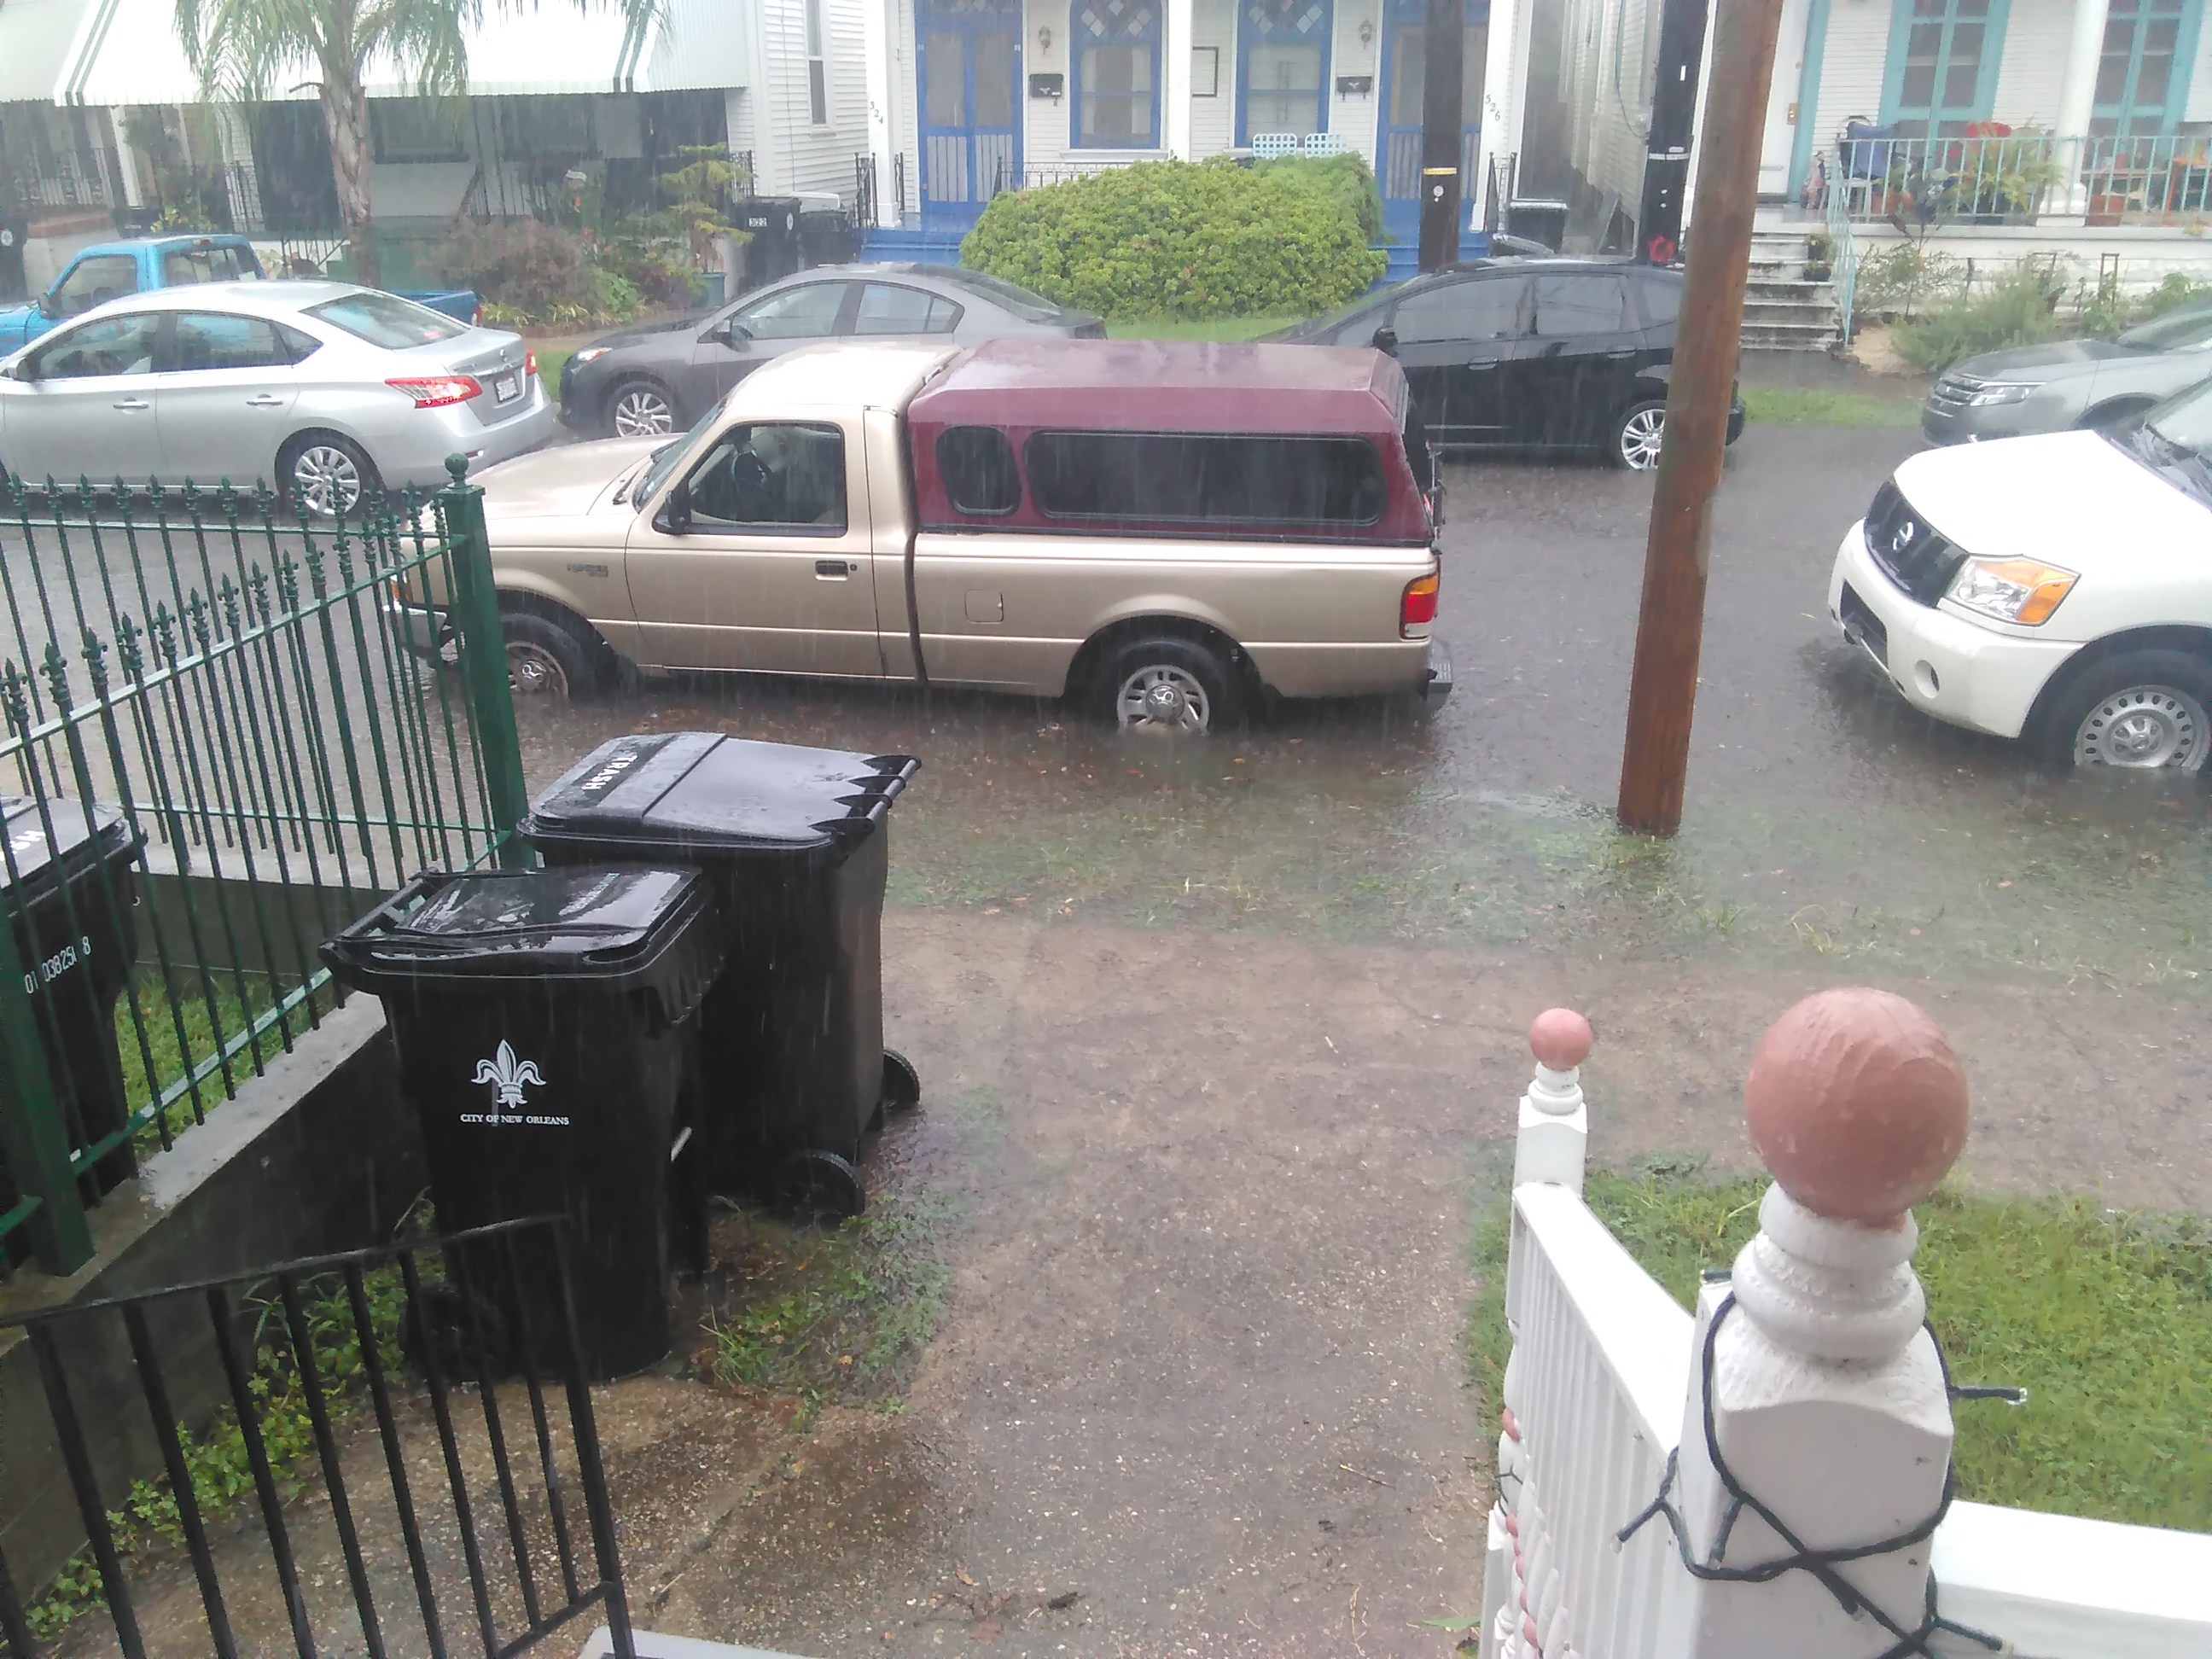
point(329, 392)
point(2071, 383)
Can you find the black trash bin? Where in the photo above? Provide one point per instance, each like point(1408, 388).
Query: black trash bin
point(792, 1038)
point(827, 236)
point(76, 933)
point(547, 1024)
point(772, 224)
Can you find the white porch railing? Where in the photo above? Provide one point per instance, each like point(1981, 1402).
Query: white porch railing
point(2015, 178)
point(1823, 1394)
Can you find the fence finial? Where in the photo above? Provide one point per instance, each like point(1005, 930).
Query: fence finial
point(1818, 1418)
point(1554, 1122)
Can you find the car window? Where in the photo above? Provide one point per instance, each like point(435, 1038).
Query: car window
point(1662, 300)
point(387, 320)
point(113, 345)
point(1030, 307)
point(887, 309)
point(1482, 308)
point(182, 266)
point(1569, 305)
point(1201, 477)
point(2186, 328)
point(95, 281)
point(1359, 332)
point(209, 339)
point(772, 475)
point(808, 311)
point(978, 465)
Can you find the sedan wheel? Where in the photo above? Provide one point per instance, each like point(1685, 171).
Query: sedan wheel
point(1636, 443)
point(328, 478)
point(2145, 728)
point(642, 411)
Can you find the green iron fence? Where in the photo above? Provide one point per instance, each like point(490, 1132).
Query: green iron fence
point(221, 744)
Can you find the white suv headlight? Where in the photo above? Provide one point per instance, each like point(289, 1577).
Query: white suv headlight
point(2005, 392)
point(2024, 591)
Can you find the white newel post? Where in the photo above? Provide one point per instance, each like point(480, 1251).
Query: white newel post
point(2077, 93)
point(1554, 1122)
point(1549, 1146)
point(1826, 1398)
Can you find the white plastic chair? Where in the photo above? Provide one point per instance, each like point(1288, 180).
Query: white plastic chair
point(1326, 144)
point(1273, 146)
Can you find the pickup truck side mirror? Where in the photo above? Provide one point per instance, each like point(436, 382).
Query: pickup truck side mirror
point(1386, 339)
point(46, 309)
point(674, 518)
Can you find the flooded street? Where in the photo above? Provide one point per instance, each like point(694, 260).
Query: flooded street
point(1825, 818)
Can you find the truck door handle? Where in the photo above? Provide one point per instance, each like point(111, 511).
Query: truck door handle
point(836, 568)
point(1618, 356)
point(133, 403)
point(266, 400)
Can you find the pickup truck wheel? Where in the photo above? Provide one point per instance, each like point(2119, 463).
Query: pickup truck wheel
point(1637, 436)
point(327, 477)
point(641, 409)
point(544, 660)
point(1168, 687)
point(2144, 711)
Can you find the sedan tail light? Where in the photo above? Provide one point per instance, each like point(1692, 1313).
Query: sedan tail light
point(436, 390)
point(1418, 609)
point(529, 364)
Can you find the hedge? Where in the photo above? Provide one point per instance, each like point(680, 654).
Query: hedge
point(1172, 238)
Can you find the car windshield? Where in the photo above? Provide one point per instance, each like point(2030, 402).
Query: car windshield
point(663, 460)
point(1030, 307)
point(2176, 437)
point(387, 320)
point(2182, 329)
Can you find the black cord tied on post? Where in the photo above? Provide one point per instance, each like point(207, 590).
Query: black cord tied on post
point(1821, 1563)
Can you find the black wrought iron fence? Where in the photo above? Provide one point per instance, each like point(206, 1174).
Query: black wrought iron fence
point(377, 1452)
point(225, 737)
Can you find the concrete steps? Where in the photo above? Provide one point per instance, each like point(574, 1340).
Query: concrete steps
point(1784, 309)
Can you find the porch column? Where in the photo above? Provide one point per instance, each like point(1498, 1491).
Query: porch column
point(1818, 1415)
point(1176, 35)
point(2077, 95)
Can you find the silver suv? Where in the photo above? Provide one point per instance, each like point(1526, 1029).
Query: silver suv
point(2071, 383)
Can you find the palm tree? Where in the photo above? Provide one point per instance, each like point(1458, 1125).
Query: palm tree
point(243, 49)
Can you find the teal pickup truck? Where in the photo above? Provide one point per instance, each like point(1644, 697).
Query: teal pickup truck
point(109, 271)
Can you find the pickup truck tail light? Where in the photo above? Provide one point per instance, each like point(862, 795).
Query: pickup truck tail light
point(1418, 609)
point(436, 390)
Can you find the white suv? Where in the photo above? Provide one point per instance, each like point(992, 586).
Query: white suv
point(2056, 588)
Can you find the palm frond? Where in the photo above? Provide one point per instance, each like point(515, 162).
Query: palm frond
point(246, 49)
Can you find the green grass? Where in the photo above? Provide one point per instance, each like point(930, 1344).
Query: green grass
point(1203, 328)
point(1783, 406)
point(549, 360)
point(834, 1314)
point(206, 1022)
point(2106, 1320)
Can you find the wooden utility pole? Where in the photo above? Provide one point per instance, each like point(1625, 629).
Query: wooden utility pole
point(1662, 689)
point(1443, 43)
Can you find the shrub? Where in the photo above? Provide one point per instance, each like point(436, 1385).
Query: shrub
point(1171, 238)
point(1345, 179)
point(2016, 310)
point(524, 264)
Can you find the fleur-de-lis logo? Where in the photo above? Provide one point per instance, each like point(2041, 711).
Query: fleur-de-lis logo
point(508, 1076)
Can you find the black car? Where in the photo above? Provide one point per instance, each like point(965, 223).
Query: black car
point(1560, 353)
point(661, 376)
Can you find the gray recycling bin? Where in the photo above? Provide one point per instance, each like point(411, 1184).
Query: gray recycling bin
point(795, 1071)
point(547, 1024)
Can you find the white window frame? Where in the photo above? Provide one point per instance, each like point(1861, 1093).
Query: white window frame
point(817, 64)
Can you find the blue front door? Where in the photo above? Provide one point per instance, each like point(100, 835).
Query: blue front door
point(1399, 154)
point(970, 70)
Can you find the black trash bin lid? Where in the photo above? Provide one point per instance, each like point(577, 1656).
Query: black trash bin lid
point(611, 924)
point(34, 860)
point(701, 790)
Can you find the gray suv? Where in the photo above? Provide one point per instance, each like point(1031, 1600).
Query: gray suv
point(2071, 383)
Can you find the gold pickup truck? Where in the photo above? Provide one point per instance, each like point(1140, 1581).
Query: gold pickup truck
point(1163, 530)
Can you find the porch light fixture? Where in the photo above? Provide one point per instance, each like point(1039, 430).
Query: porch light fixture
point(1044, 39)
point(1366, 31)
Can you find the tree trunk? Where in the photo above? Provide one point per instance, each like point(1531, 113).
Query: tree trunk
point(345, 114)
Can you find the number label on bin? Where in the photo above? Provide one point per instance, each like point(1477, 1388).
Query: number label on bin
point(509, 1075)
point(59, 963)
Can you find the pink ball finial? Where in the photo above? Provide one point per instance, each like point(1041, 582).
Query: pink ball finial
point(1857, 1104)
point(1560, 1038)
